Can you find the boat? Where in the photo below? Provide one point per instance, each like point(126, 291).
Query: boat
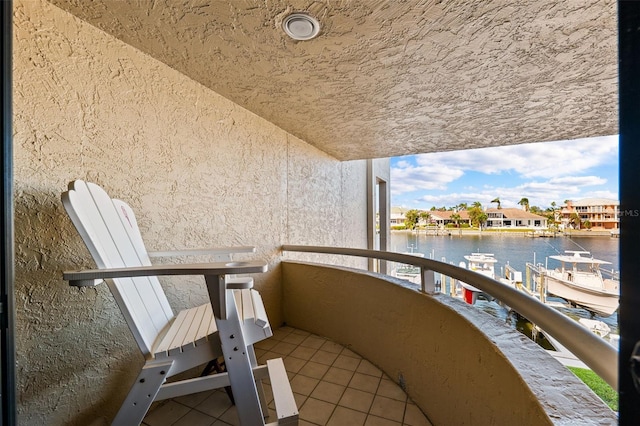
point(406, 271)
point(482, 263)
point(579, 281)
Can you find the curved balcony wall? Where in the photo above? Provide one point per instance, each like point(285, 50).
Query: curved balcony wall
point(460, 365)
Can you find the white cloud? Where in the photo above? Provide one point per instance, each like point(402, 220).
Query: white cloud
point(543, 193)
point(408, 178)
point(549, 159)
point(541, 172)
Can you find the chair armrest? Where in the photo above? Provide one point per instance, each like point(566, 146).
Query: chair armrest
point(89, 277)
point(203, 252)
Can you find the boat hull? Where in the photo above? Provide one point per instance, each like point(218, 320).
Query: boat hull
point(600, 302)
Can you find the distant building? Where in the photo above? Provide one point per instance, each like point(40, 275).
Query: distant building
point(436, 217)
point(443, 218)
point(396, 218)
point(514, 218)
point(600, 213)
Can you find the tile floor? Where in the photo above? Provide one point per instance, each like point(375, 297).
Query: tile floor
point(332, 385)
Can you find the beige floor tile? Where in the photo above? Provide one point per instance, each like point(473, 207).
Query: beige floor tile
point(300, 399)
point(414, 417)
point(280, 333)
point(216, 404)
point(303, 352)
point(316, 411)
point(262, 358)
point(324, 357)
point(195, 418)
point(194, 399)
point(328, 392)
point(166, 414)
point(333, 386)
point(343, 416)
point(293, 364)
point(346, 362)
point(283, 348)
point(332, 347)
point(314, 342)
point(387, 408)
point(366, 367)
point(356, 400)
point(350, 353)
point(231, 416)
point(294, 339)
point(338, 376)
point(303, 385)
point(259, 352)
point(314, 369)
point(364, 382)
point(266, 344)
point(391, 390)
point(379, 421)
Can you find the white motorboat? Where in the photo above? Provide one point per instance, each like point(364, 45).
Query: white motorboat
point(482, 263)
point(408, 272)
point(579, 281)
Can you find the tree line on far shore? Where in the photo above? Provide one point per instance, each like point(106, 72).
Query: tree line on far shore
point(477, 215)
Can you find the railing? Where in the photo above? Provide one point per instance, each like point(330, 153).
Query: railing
point(601, 357)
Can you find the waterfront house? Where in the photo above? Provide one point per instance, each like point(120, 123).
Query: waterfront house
point(599, 214)
point(510, 218)
point(218, 129)
point(442, 218)
point(439, 218)
point(397, 216)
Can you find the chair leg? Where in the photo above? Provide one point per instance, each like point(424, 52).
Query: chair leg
point(218, 367)
point(263, 400)
point(142, 393)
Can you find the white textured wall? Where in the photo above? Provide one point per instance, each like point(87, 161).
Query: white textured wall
point(199, 171)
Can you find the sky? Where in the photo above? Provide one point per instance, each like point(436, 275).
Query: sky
point(543, 172)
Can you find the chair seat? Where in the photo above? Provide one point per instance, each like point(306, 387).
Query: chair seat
point(189, 329)
point(194, 327)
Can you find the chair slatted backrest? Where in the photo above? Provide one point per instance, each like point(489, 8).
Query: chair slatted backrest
point(110, 232)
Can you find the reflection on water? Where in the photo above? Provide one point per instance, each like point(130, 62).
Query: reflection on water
point(514, 249)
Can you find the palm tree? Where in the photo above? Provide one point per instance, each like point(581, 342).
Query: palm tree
point(524, 202)
point(554, 213)
point(536, 210)
point(456, 218)
point(477, 216)
point(424, 215)
point(496, 200)
point(575, 221)
point(411, 219)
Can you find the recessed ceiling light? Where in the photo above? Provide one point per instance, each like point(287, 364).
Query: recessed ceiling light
point(300, 26)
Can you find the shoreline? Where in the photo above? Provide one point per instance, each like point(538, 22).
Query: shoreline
point(524, 233)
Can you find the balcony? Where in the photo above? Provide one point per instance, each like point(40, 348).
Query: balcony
point(427, 358)
point(332, 385)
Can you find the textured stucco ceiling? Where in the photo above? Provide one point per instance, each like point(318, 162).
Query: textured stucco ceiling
point(388, 78)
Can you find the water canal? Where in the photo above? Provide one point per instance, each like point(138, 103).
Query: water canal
point(514, 249)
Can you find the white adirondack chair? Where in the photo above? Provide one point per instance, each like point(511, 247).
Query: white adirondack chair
point(229, 325)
